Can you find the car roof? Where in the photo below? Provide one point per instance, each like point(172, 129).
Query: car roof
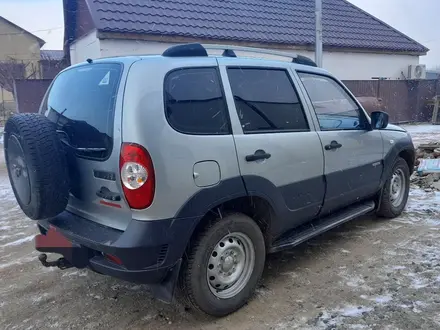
point(195, 52)
point(129, 59)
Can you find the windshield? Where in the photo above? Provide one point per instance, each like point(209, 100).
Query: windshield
point(81, 103)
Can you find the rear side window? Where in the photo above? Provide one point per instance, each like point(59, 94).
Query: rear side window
point(81, 101)
point(194, 102)
point(266, 101)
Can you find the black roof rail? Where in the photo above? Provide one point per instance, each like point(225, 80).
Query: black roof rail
point(304, 60)
point(185, 50)
point(196, 49)
point(229, 53)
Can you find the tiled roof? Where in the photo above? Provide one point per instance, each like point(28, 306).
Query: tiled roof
point(51, 55)
point(289, 22)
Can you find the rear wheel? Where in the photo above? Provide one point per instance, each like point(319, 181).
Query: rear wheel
point(224, 265)
point(36, 165)
point(395, 191)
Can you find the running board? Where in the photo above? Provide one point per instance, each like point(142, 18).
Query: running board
point(322, 225)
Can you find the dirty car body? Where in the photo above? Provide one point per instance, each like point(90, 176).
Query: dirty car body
point(204, 132)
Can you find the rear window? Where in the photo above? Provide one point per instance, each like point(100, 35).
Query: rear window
point(81, 102)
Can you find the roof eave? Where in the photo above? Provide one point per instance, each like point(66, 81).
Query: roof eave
point(106, 34)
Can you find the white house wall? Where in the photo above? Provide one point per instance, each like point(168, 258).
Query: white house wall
point(86, 47)
point(346, 66)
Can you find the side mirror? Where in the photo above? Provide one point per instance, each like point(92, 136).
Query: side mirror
point(379, 120)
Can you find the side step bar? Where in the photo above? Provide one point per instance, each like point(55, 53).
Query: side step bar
point(322, 225)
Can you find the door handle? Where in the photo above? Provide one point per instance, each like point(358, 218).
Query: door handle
point(333, 145)
point(258, 155)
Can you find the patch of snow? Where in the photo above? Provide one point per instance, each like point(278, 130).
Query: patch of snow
point(436, 319)
point(418, 282)
point(383, 299)
point(6, 193)
point(80, 273)
point(16, 262)
point(422, 207)
point(19, 241)
point(354, 281)
point(11, 235)
point(353, 311)
point(423, 133)
point(37, 299)
point(290, 274)
point(359, 326)
point(421, 128)
point(149, 317)
point(398, 267)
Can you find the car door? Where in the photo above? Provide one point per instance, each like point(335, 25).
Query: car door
point(352, 151)
point(279, 152)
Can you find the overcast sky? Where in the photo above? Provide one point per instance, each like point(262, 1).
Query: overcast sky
point(418, 19)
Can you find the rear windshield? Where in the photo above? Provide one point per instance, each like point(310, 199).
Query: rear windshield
point(81, 101)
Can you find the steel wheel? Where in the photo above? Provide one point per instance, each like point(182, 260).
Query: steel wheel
point(397, 187)
point(230, 265)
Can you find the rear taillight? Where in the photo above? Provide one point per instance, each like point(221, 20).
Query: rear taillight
point(137, 175)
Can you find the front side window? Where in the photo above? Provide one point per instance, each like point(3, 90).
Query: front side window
point(195, 103)
point(334, 107)
point(266, 101)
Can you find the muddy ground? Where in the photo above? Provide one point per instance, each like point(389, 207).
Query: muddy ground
point(367, 274)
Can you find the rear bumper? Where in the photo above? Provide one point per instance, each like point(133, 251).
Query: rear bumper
point(146, 252)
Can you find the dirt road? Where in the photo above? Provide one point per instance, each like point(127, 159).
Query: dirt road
point(367, 274)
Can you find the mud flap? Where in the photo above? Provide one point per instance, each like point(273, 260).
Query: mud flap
point(165, 290)
point(378, 199)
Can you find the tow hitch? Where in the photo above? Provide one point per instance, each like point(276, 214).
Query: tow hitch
point(61, 263)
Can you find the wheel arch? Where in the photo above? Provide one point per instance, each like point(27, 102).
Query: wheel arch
point(403, 148)
point(409, 156)
point(257, 208)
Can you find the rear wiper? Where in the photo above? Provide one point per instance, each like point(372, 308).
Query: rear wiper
point(66, 142)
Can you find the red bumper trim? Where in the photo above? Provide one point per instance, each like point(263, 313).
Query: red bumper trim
point(52, 239)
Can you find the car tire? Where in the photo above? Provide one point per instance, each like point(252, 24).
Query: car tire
point(37, 165)
point(216, 258)
point(395, 192)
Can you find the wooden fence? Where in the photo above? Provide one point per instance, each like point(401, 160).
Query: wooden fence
point(404, 100)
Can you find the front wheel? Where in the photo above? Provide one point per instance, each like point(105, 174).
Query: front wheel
point(395, 191)
point(224, 265)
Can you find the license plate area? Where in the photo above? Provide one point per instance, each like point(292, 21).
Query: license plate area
point(52, 241)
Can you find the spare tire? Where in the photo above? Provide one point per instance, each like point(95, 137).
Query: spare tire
point(37, 165)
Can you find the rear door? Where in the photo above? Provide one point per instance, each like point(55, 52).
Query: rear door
point(279, 152)
point(353, 152)
point(85, 103)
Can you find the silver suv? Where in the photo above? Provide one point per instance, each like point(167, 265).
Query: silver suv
point(186, 169)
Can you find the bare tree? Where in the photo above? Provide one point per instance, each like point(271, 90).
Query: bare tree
point(12, 69)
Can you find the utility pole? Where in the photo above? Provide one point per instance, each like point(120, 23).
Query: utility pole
point(318, 30)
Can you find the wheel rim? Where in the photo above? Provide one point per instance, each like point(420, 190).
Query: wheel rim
point(18, 171)
point(397, 188)
point(230, 265)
